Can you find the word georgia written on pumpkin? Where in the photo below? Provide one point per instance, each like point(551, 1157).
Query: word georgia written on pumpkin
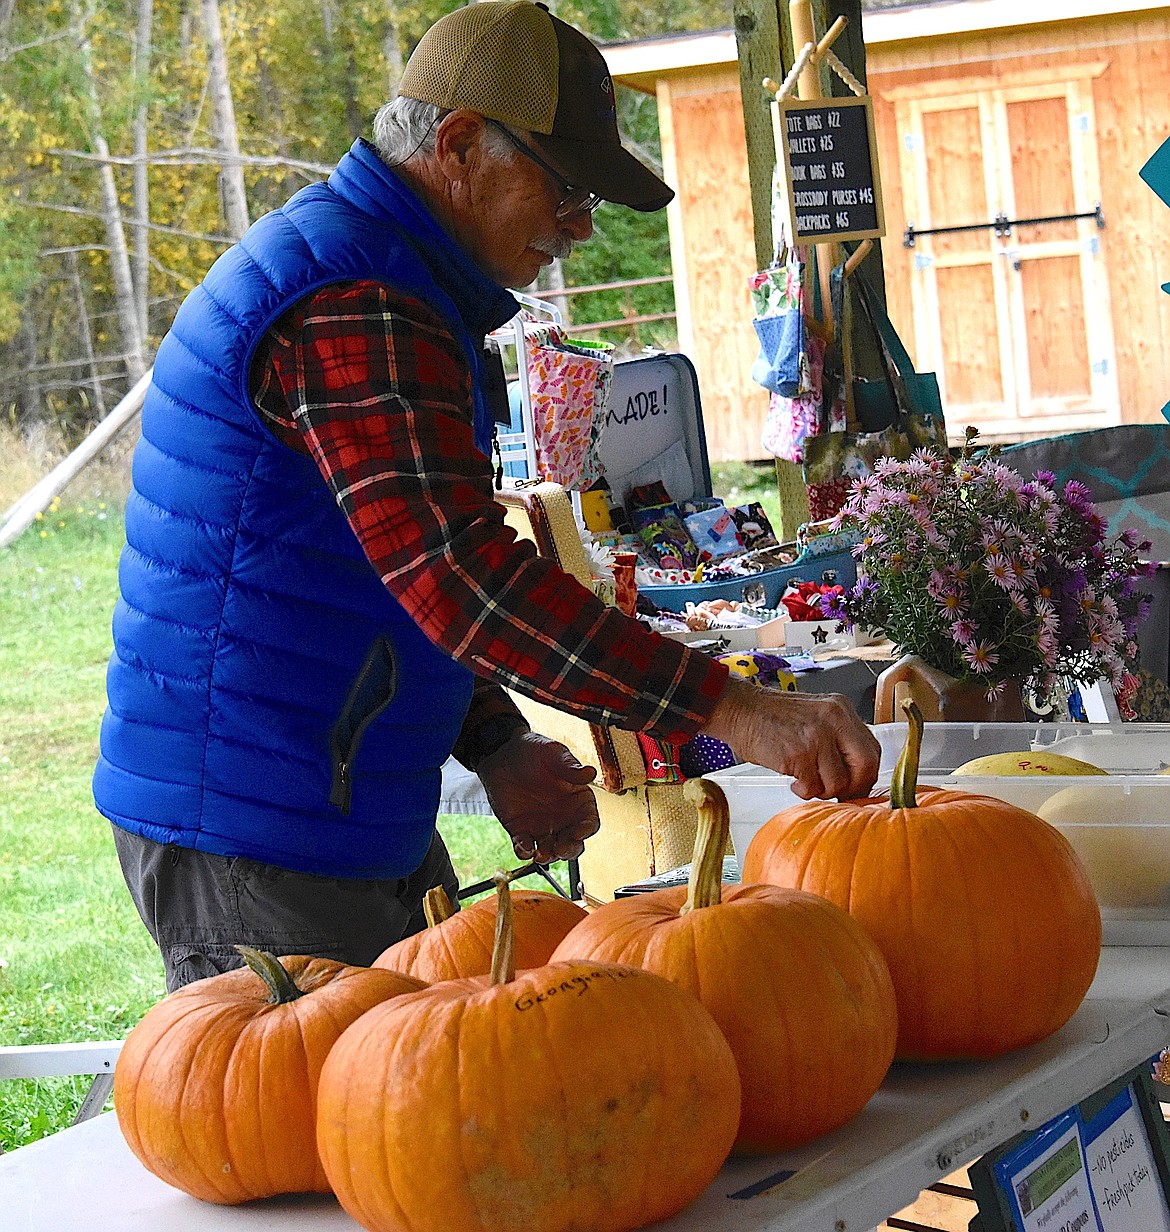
point(579, 984)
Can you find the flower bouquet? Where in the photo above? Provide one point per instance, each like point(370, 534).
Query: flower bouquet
point(991, 577)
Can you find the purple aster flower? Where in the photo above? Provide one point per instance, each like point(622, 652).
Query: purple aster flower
point(981, 656)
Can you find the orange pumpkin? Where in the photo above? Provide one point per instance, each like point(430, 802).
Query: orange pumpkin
point(570, 1096)
point(458, 944)
point(797, 987)
point(984, 913)
point(216, 1088)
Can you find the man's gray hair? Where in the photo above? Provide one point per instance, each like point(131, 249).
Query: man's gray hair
point(405, 127)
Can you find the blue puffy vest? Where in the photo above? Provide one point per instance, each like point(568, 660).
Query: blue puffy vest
point(267, 697)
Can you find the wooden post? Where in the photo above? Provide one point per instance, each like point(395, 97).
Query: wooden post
point(764, 48)
point(800, 17)
point(865, 356)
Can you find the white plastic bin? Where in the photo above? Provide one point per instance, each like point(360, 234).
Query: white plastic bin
point(1120, 748)
point(1119, 823)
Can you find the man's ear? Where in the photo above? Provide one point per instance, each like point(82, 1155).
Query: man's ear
point(457, 143)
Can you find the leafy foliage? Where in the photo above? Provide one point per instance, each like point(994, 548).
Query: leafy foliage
point(306, 77)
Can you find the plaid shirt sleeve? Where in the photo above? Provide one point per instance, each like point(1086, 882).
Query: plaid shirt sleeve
point(374, 386)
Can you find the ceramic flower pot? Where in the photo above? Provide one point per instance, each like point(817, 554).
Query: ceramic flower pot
point(941, 697)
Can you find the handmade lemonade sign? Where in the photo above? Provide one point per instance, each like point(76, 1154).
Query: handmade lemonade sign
point(830, 167)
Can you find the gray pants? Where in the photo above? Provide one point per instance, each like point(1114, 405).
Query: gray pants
point(198, 907)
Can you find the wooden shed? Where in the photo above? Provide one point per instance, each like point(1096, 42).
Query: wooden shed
point(1023, 124)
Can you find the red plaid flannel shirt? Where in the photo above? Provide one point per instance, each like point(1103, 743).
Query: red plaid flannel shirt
point(373, 385)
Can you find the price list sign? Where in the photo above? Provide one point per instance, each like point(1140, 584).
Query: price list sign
point(830, 166)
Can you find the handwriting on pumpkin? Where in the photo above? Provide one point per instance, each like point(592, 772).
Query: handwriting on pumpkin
point(575, 984)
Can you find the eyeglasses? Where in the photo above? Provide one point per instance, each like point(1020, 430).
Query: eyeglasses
point(573, 200)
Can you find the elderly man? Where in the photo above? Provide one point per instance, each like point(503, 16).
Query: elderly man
point(319, 599)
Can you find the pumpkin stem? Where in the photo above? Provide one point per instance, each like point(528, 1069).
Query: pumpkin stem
point(504, 949)
point(705, 884)
point(437, 907)
point(904, 783)
point(271, 970)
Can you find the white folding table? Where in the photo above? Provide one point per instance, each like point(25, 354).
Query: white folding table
point(925, 1122)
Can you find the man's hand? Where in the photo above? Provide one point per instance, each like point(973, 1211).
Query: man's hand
point(540, 793)
point(818, 738)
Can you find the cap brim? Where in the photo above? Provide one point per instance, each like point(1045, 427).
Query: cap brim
point(610, 171)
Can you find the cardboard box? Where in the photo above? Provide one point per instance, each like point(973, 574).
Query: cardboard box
point(817, 636)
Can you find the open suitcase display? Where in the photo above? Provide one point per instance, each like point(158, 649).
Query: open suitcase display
point(654, 429)
point(653, 421)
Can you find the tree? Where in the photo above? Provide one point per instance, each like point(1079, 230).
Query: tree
point(227, 139)
point(138, 136)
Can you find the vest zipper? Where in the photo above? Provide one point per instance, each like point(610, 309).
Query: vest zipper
point(372, 691)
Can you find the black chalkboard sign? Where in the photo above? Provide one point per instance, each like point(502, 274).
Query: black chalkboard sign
point(830, 166)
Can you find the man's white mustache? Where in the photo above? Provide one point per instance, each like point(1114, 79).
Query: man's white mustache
point(558, 246)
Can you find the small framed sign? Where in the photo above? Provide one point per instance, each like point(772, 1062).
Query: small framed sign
point(830, 168)
point(1102, 1166)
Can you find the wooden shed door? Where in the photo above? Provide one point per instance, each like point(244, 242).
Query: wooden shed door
point(1015, 321)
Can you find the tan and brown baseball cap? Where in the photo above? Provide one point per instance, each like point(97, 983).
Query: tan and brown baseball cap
point(513, 61)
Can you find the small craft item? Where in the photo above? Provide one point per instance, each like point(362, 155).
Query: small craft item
point(804, 600)
point(714, 532)
point(648, 496)
point(761, 667)
point(767, 558)
point(569, 385)
point(720, 614)
point(699, 503)
point(663, 531)
point(595, 509)
point(625, 587)
point(754, 528)
point(703, 755)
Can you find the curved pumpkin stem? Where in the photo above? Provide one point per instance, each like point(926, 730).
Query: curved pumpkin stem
point(904, 784)
point(705, 884)
point(504, 949)
point(437, 907)
point(271, 970)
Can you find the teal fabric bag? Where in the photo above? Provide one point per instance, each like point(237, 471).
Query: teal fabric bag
point(879, 404)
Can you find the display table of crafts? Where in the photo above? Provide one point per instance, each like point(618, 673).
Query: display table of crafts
point(924, 1122)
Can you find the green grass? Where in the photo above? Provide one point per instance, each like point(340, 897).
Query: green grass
point(75, 961)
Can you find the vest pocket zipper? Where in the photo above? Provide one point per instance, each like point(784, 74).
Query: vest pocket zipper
point(371, 692)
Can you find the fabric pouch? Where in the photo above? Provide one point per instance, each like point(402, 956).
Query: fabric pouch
point(714, 532)
point(754, 527)
point(670, 542)
point(777, 292)
point(777, 367)
point(648, 496)
point(568, 391)
point(791, 420)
